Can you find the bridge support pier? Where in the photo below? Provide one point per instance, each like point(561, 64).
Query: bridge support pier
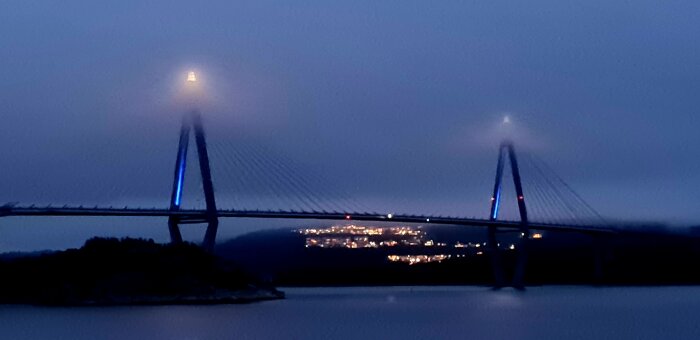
point(496, 260)
point(210, 217)
point(174, 229)
point(521, 261)
point(518, 278)
point(600, 255)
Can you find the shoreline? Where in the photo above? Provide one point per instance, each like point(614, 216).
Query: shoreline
point(219, 298)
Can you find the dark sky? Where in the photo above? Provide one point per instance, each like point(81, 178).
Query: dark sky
point(398, 103)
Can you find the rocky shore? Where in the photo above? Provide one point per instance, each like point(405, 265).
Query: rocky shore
point(220, 297)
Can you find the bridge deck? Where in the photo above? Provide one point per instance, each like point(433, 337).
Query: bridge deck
point(369, 217)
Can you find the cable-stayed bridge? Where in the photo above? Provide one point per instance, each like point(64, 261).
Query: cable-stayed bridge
point(543, 200)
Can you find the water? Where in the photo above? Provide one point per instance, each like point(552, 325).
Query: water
point(386, 312)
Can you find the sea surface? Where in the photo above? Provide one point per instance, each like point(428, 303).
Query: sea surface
point(386, 313)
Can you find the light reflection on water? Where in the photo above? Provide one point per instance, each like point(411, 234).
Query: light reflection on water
point(385, 312)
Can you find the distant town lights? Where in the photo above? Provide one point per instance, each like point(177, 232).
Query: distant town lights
point(389, 215)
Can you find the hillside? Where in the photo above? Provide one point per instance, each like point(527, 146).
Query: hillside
point(127, 271)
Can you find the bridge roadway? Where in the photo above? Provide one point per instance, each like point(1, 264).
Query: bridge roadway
point(194, 215)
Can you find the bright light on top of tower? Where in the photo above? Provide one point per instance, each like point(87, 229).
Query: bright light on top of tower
point(191, 88)
point(191, 77)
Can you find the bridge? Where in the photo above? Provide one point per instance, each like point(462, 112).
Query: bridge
point(550, 194)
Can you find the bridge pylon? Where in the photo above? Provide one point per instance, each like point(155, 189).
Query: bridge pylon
point(193, 121)
point(507, 148)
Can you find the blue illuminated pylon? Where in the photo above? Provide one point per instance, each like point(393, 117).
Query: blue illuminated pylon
point(210, 216)
point(507, 147)
point(179, 182)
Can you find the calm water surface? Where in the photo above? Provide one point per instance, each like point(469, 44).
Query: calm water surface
point(386, 312)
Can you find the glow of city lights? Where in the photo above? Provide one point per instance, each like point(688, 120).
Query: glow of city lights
point(191, 77)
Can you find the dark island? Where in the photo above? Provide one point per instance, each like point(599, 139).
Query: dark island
point(110, 271)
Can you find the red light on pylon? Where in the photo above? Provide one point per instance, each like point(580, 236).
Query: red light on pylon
point(347, 217)
point(520, 197)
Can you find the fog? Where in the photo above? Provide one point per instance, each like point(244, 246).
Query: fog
point(398, 102)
